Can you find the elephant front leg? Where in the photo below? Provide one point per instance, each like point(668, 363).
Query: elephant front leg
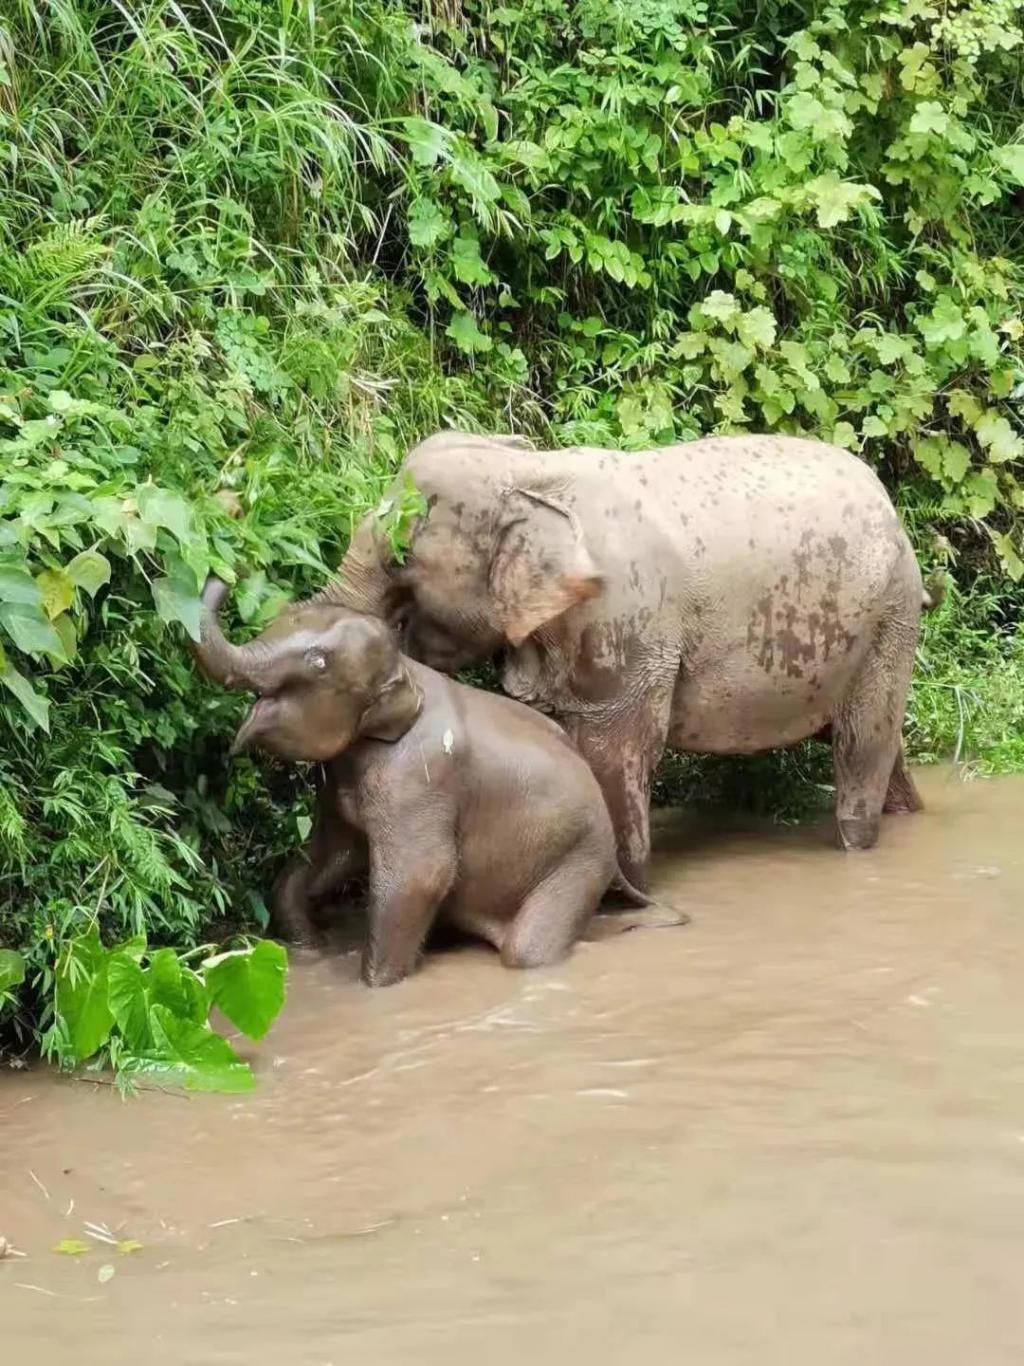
point(406, 893)
point(623, 756)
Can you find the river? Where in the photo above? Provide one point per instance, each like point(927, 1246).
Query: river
point(791, 1132)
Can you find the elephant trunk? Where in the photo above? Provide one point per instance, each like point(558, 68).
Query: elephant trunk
point(241, 667)
point(363, 583)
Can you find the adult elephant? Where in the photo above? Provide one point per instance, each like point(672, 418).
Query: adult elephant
point(726, 596)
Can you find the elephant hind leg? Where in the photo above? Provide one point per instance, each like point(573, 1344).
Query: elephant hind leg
point(555, 914)
point(867, 736)
point(902, 796)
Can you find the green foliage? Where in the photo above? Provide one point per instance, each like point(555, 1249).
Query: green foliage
point(146, 1011)
point(250, 252)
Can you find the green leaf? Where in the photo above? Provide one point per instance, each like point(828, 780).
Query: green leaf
point(17, 585)
point(998, 437)
point(467, 263)
point(105, 1273)
point(129, 1001)
point(466, 335)
point(720, 306)
point(757, 328)
point(58, 591)
point(162, 508)
point(12, 969)
point(90, 571)
point(82, 994)
point(965, 405)
point(29, 629)
point(1008, 555)
point(71, 1247)
point(1011, 160)
point(929, 117)
point(945, 323)
point(168, 984)
point(426, 223)
point(36, 705)
point(426, 140)
point(249, 985)
point(956, 461)
point(193, 1055)
point(65, 628)
point(837, 200)
point(177, 597)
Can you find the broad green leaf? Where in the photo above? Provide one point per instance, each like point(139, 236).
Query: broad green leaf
point(756, 327)
point(177, 597)
point(90, 571)
point(1008, 555)
point(956, 461)
point(468, 264)
point(82, 994)
point(36, 705)
point(836, 200)
point(12, 969)
point(965, 405)
point(945, 322)
point(193, 1055)
point(999, 439)
point(129, 1002)
point(29, 629)
point(1011, 160)
point(426, 140)
point(162, 508)
point(178, 988)
point(720, 306)
point(18, 586)
point(466, 335)
point(891, 348)
point(65, 628)
point(426, 223)
point(982, 493)
point(929, 117)
point(249, 985)
point(58, 591)
point(250, 594)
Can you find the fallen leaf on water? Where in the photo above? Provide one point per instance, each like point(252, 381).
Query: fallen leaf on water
point(105, 1273)
point(127, 1245)
point(71, 1247)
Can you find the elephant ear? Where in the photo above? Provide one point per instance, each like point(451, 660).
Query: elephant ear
point(541, 566)
point(394, 709)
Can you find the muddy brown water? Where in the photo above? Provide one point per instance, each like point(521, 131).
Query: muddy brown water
point(792, 1132)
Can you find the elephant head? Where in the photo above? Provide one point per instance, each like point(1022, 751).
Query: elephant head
point(325, 676)
point(498, 554)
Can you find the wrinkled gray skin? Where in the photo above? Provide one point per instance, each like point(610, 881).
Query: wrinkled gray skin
point(464, 804)
point(726, 596)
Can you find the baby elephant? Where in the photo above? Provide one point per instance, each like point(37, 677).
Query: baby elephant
point(471, 806)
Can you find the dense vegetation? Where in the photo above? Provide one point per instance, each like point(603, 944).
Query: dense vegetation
point(251, 249)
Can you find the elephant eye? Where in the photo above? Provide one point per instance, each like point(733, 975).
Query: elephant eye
point(317, 660)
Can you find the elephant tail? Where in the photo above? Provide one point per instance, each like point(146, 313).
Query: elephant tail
point(631, 894)
point(934, 592)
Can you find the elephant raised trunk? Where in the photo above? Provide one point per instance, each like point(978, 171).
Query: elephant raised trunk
point(245, 668)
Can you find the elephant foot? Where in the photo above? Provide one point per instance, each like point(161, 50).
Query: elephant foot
point(611, 923)
point(857, 832)
point(902, 797)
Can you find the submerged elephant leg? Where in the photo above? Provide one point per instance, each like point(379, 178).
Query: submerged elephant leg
point(405, 896)
point(866, 734)
point(623, 754)
point(555, 914)
point(902, 796)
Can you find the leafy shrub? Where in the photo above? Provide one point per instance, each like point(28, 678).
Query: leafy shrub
point(250, 252)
